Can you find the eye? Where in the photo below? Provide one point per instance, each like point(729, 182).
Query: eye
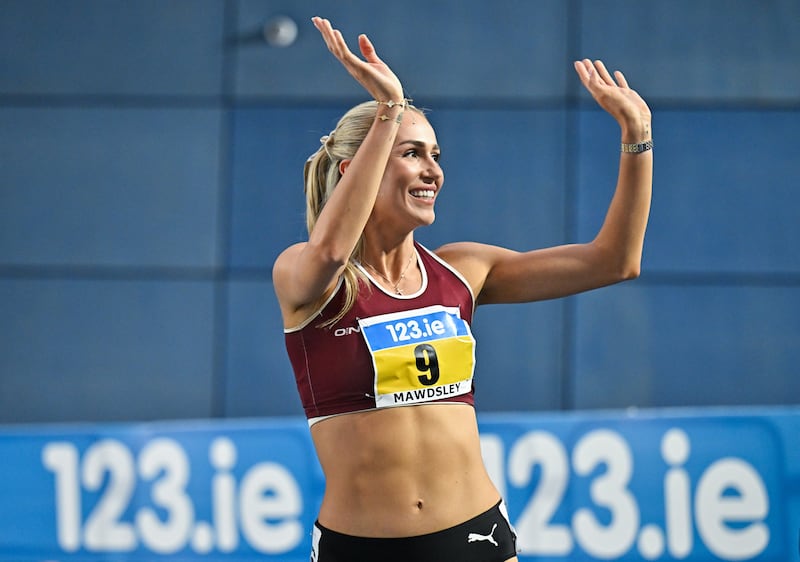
point(411, 152)
point(436, 157)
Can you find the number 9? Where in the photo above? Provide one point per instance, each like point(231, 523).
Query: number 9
point(427, 362)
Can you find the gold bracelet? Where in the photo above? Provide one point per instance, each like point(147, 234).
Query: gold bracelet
point(398, 119)
point(636, 148)
point(391, 103)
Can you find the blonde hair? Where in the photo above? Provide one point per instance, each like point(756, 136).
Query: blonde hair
point(321, 175)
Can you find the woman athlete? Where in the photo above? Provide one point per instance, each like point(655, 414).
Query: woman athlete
point(378, 331)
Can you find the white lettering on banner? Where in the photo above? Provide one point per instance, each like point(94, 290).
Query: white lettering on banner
point(165, 457)
point(269, 492)
point(729, 507)
point(269, 502)
point(592, 497)
point(223, 493)
point(675, 451)
point(715, 510)
point(538, 535)
point(610, 491)
point(104, 526)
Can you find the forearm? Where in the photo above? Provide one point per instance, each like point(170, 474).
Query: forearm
point(622, 234)
point(344, 215)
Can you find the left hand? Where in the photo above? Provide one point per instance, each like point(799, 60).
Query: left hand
point(617, 98)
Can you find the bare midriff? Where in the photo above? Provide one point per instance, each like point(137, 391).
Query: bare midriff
point(399, 472)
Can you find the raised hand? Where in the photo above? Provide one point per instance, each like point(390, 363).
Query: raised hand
point(616, 97)
point(372, 73)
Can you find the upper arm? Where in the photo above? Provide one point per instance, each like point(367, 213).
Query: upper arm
point(500, 275)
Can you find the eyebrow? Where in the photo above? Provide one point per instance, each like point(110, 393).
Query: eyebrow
point(418, 144)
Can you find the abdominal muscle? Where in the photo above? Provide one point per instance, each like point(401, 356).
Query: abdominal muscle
point(400, 472)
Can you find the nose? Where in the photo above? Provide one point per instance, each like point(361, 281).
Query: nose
point(432, 172)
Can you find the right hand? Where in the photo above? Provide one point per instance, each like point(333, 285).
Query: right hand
point(372, 73)
point(615, 96)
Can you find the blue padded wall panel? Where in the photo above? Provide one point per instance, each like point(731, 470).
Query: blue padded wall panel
point(519, 357)
point(118, 187)
point(259, 378)
point(715, 50)
point(111, 47)
point(725, 189)
point(687, 346)
point(270, 147)
point(105, 350)
point(505, 178)
point(509, 49)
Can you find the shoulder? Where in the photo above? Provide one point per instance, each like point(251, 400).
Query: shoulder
point(298, 296)
point(286, 260)
point(472, 256)
point(284, 274)
point(472, 260)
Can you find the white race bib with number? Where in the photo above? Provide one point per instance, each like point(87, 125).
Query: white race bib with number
point(420, 355)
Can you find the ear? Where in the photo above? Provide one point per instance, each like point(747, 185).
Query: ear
point(343, 165)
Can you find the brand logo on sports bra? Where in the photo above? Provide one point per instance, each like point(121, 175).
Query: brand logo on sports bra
point(338, 332)
point(474, 537)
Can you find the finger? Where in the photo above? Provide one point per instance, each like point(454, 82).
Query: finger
point(621, 79)
point(337, 44)
point(367, 49)
point(584, 69)
point(602, 72)
point(332, 37)
point(326, 30)
point(323, 26)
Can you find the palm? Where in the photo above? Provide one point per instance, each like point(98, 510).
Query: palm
point(371, 72)
point(615, 96)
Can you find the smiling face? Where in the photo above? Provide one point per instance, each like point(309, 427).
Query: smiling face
point(413, 177)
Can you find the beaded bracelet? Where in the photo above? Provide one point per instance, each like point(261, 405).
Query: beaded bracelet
point(637, 147)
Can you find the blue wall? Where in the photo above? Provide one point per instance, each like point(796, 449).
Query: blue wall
point(150, 172)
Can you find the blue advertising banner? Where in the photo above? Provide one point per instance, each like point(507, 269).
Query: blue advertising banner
point(697, 485)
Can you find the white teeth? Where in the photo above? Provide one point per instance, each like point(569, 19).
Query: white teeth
point(423, 193)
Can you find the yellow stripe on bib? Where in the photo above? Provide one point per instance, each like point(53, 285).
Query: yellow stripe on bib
point(423, 372)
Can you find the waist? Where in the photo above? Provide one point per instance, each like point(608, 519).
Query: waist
point(363, 407)
point(402, 471)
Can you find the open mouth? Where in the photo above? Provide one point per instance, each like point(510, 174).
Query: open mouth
point(423, 193)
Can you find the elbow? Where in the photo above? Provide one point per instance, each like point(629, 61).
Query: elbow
point(620, 265)
point(631, 274)
point(329, 254)
point(629, 271)
point(623, 267)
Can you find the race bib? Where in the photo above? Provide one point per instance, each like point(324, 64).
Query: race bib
point(419, 355)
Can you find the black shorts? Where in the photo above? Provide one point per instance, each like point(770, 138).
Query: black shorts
point(488, 537)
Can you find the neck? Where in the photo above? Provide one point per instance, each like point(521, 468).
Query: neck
point(393, 267)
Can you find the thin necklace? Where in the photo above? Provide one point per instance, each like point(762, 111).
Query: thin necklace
point(396, 286)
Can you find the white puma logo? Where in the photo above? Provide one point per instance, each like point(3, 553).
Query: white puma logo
point(472, 537)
